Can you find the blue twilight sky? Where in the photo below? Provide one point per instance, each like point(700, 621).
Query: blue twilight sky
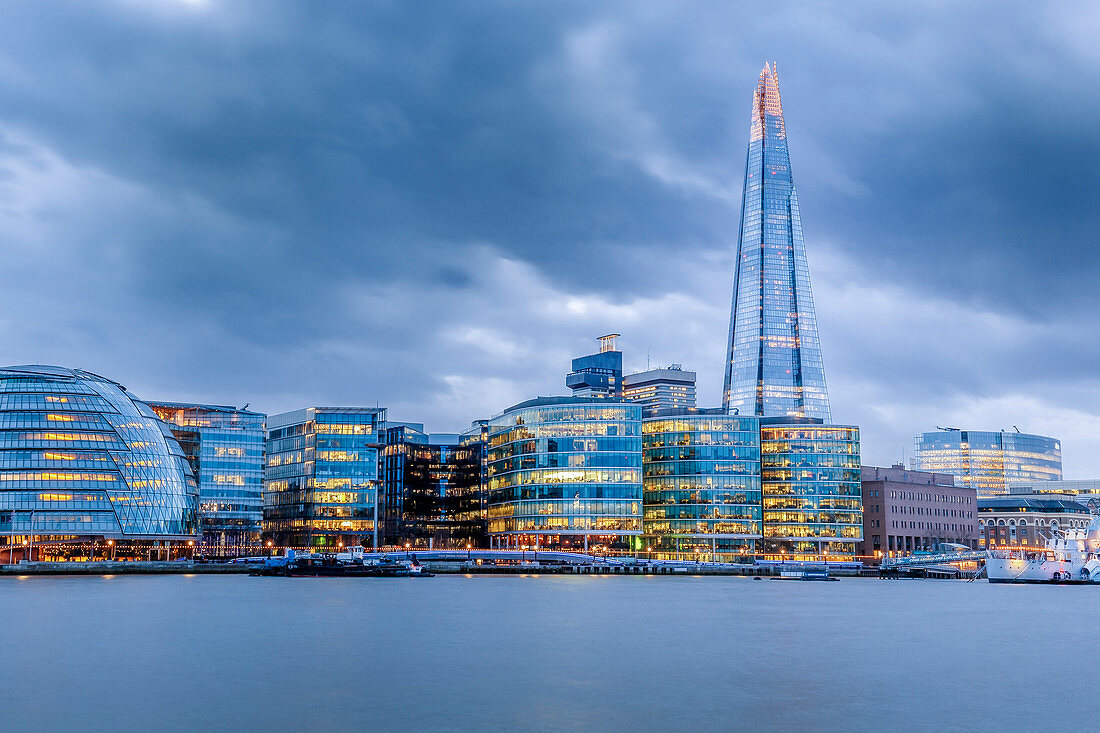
point(433, 206)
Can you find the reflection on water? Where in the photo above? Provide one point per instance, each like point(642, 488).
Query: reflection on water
point(542, 653)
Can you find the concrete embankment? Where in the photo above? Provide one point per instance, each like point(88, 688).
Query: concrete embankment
point(107, 567)
point(114, 567)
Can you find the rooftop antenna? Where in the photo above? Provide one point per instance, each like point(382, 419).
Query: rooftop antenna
point(246, 406)
point(1015, 428)
point(610, 342)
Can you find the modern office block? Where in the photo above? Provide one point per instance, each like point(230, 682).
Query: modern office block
point(987, 460)
point(773, 362)
point(701, 482)
point(566, 472)
point(599, 374)
point(432, 491)
point(661, 389)
point(811, 488)
point(81, 460)
point(905, 511)
point(321, 482)
point(225, 447)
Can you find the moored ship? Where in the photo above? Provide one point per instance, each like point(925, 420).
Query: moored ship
point(1073, 557)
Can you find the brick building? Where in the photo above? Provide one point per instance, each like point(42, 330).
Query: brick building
point(904, 511)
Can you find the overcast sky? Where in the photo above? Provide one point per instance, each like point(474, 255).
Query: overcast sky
point(433, 206)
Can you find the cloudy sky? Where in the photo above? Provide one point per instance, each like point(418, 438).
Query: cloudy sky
point(433, 206)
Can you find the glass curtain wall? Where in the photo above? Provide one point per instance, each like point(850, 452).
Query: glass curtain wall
point(566, 472)
point(322, 478)
point(701, 478)
point(813, 505)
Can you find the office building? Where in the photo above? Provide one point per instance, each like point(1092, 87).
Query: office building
point(321, 481)
point(84, 462)
point(1019, 520)
point(987, 460)
point(773, 363)
point(811, 488)
point(599, 374)
point(566, 472)
point(905, 511)
point(431, 488)
point(661, 389)
point(701, 484)
point(225, 447)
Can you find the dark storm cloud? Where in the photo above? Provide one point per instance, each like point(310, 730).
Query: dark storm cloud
point(434, 205)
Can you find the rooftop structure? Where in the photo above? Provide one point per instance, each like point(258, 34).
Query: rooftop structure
point(599, 374)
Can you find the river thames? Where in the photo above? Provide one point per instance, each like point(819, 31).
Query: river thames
point(537, 653)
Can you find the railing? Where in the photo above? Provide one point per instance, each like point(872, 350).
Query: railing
point(943, 558)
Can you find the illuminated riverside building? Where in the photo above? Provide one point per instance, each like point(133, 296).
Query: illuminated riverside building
point(225, 447)
point(431, 487)
point(83, 462)
point(321, 480)
point(701, 483)
point(987, 461)
point(1028, 520)
point(566, 472)
point(661, 389)
point(773, 362)
point(810, 477)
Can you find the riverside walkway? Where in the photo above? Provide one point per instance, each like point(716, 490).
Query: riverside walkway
point(445, 561)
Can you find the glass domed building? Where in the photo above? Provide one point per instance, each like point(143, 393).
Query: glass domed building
point(81, 460)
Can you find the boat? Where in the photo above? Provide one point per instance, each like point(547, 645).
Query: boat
point(807, 572)
point(1071, 557)
point(330, 565)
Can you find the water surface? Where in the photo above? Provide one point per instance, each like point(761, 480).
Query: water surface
point(196, 653)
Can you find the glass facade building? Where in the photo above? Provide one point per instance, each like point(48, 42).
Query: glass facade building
point(431, 488)
point(701, 482)
point(225, 447)
point(81, 460)
point(773, 362)
point(321, 480)
point(986, 461)
point(566, 472)
point(810, 476)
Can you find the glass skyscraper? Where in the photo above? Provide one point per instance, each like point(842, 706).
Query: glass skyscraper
point(773, 362)
point(225, 447)
point(321, 481)
point(986, 460)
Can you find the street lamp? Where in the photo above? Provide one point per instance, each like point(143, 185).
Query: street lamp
point(111, 544)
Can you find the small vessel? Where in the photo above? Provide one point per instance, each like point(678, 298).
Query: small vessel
point(807, 572)
point(329, 565)
point(1072, 556)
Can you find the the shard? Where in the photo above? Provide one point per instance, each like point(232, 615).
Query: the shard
point(773, 365)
